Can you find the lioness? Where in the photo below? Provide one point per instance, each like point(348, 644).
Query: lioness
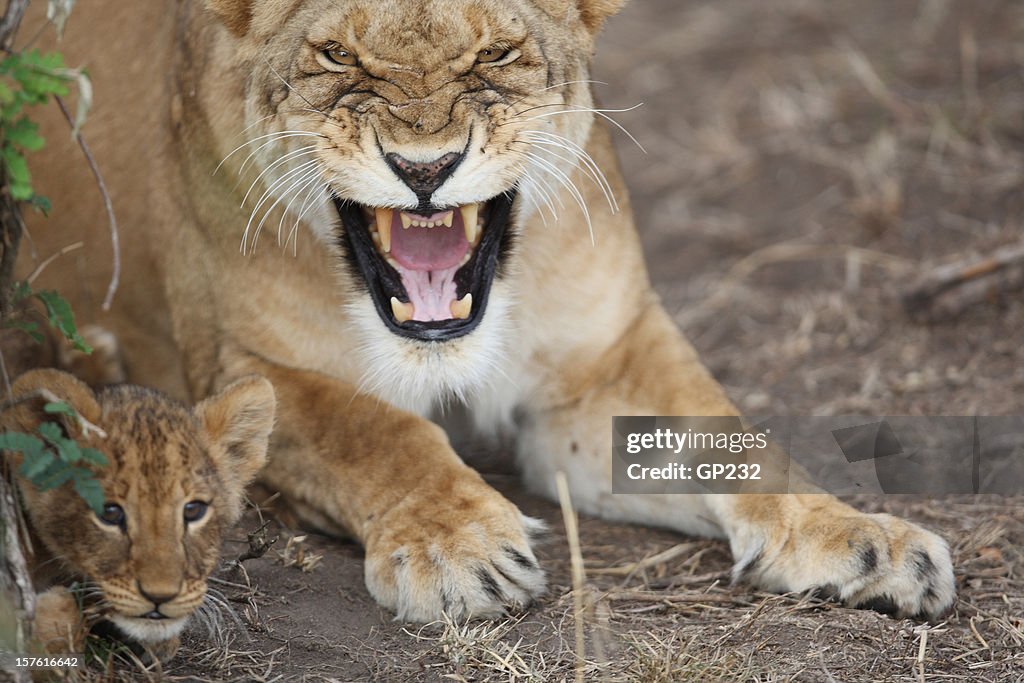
point(174, 482)
point(387, 206)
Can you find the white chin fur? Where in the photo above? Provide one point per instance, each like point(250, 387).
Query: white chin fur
point(148, 630)
point(419, 376)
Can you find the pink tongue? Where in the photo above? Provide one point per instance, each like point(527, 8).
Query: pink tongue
point(428, 259)
point(419, 248)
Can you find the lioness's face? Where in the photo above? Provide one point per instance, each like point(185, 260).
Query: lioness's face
point(416, 137)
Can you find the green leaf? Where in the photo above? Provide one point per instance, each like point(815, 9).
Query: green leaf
point(57, 474)
point(41, 203)
point(22, 291)
point(28, 327)
point(67, 449)
point(93, 456)
point(21, 443)
point(51, 431)
point(60, 408)
point(34, 464)
point(25, 134)
point(21, 192)
point(89, 489)
point(16, 166)
point(58, 312)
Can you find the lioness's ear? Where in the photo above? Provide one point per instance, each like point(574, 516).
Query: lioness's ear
point(34, 389)
point(594, 12)
point(238, 422)
point(236, 14)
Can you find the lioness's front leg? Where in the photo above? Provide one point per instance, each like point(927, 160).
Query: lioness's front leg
point(780, 542)
point(437, 537)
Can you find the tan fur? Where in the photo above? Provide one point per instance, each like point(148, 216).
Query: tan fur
point(573, 333)
point(161, 455)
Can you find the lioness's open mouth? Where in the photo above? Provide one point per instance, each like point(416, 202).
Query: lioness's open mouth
point(429, 275)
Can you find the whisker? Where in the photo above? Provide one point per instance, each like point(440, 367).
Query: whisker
point(567, 183)
point(550, 87)
point(589, 166)
point(310, 182)
point(603, 113)
point(302, 151)
point(298, 181)
point(303, 168)
point(282, 133)
point(315, 192)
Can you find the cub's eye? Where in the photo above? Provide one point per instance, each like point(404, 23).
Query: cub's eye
point(495, 53)
point(113, 514)
point(341, 56)
point(194, 511)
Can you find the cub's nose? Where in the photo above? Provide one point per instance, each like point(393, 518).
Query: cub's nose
point(158, 595)
point(424, 178)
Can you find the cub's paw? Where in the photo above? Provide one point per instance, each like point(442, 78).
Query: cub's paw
point(465, 555)
point(58, 625)
point(877, 562)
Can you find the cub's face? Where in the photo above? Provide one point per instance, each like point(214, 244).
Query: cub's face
point(173, 483)
point(415, 137)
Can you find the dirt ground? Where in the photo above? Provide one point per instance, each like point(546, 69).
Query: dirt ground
point(805, 161)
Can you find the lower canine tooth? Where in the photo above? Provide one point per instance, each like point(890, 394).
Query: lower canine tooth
point(460, 309)
point(469, 214)
point(401, 311)
point(383, 217)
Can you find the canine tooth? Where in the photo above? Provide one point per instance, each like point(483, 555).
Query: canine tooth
point(448, 218)
point(406, 221)
point(401, 311)
point(383, 217)
point(469, 214)
point(460, 309)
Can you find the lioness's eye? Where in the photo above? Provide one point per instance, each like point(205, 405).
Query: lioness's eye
point(113, 514)
point(492, 54)
point(194, 511)
point(341, 57)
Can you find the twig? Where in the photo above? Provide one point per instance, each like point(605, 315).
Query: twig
point(6, 376)
point(576, 559)
point(50, 259)
point(920, 655)
point(646, 563)
point(259, 544)
point(11, 21)
point(950, 289)
point(115, 240)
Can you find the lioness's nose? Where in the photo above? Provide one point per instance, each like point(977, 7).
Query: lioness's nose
point(425, 177)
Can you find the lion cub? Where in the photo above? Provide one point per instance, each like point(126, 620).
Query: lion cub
point(173, 484)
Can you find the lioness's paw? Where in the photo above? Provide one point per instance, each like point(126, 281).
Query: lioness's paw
point(465, 557)
point(874, 562)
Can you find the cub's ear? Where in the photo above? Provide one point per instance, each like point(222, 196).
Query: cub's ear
point(594, 12)
point(238, 422)
point(34, 389)
point(235, 14)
